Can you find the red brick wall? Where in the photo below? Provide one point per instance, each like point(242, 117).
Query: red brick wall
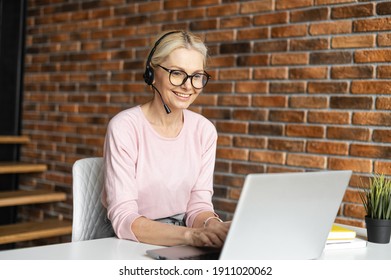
point(297, 85)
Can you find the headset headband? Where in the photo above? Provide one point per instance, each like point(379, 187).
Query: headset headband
point(149, 74)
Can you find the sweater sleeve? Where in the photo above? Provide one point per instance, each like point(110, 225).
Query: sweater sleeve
point(120, 193)
point(202, 192)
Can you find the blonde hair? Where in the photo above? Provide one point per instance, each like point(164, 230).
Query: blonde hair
point(176, 40)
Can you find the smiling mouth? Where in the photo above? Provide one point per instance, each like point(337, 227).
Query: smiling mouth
point(182, 95)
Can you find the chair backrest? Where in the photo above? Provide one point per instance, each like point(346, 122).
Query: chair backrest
point(89, 215)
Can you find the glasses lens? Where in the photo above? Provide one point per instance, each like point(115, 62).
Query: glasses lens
point(199, 80)
point(177, 77)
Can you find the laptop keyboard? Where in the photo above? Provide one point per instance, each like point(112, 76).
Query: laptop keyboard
point(208, 256)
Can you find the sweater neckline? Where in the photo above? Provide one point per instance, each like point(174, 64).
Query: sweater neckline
point(150, 127)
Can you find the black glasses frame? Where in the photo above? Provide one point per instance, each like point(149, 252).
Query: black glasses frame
point(170, 71)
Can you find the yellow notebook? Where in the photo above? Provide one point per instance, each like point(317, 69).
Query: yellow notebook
point(340, 232)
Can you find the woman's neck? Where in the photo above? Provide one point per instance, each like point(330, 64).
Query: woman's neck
point(167, 125)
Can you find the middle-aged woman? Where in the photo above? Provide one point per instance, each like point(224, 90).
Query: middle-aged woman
point(160, 156)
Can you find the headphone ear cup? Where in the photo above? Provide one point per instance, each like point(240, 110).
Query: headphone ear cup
point(148, 75)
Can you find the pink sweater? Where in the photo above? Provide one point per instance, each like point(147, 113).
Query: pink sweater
point(153, 176)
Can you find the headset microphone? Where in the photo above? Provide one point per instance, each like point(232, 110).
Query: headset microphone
point(149, 73)
point(168, 110)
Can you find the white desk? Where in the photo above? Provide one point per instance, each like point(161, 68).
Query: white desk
point(116, 249)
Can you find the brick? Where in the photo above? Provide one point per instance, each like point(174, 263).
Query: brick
point(330, 58)
point(219, 36)
point(233, 100)
point(213, 113)
point(384, 72)
point(249, 142)
point(289, 59)
point(288, 4)
point(221, 61)
point(268, 19)
point(234, 194)
point(366, 56)
point(325, 2)
point(254, 7)
point(285, 145)
point(272, 46)
point(269, 101)
point(253, 60)
point(352, 72)
point(287, 87)
point(267, 157)
point(230, 48)
point(202, 2)
point(310, 131)
point(383, 8)
point(224, 140)
point(382, 167)
point(231, 127)
point(384, 40)
point(285, 169)
point(313, 102)
point(327, 87)
point(270, 73)
point(348, 133)
point(309, 161)
point(234, 74)
point(289, 31)
point(235, 22)
point(356, 165)
point(206, 100)
point(232, 153)
point(372, 118)
point(118, 11)
point(375, 24)
point(250, 115)
point(371, 87)
point(224, 205)
point(308, 73)
point(251, 87)
point(345, 102)
point(335, 27)
point(352, 196)
point(252, 33)
point(381, 135)
point(247, 168)
point(359, 41)
point(323, 147)
point(355, 211)
point(173, 4)
point(223, 10)
point(353, 11)
point(286, 116)
point(371, 151)
point(198, 25)
point(266, 129)
point(383, 103)
point(309, 44)
point(317, 14)
point(328, 117)
point(188, 14)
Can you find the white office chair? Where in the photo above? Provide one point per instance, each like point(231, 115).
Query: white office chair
point(89, 215)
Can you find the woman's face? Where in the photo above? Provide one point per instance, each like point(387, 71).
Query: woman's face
point(187, 60)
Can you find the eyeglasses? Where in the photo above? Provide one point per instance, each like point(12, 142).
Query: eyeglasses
point(179, 77)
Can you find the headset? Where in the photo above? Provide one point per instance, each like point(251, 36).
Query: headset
point(149, 74)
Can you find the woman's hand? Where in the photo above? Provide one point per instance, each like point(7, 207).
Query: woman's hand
point(212, 235)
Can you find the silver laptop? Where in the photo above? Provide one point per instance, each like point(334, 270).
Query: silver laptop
point(278, 216)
